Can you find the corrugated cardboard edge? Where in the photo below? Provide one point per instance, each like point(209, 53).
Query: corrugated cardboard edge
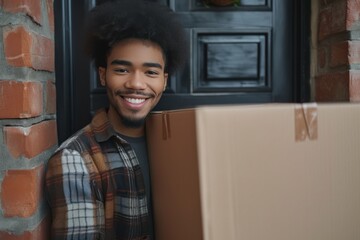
point(306, 122)
point(202, 154)
point(166, 129)
point(175, 174)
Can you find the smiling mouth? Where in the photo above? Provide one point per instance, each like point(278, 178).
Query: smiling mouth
point(135, 100)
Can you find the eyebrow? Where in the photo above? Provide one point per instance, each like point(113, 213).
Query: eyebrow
point(127, 63)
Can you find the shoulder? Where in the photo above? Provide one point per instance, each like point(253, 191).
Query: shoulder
point(72, 153)
point(80, 141)
point(65, 162)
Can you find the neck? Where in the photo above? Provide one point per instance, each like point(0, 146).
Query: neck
point(119, 127)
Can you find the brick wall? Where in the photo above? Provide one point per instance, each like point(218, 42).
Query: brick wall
point(337, 75)
point(27, 115)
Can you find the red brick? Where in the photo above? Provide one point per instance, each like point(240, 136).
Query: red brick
point(353, 13)
point(20, 99)
point(42, 53)
point(339, 54)
point(50, 12)
point(355, 86)
point(41, 232)
point(321, 57)
point(30, 141)
point(50, 97)
point(30, 7)
point(332, 87)
point(24, 48)
point(17, 44)
point(21, 192)
point(324, 3)
point(332, 19)
point(338, 17)
point(325, 19)
point(345, 53)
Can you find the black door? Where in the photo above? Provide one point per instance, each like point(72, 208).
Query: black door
point(250, 51)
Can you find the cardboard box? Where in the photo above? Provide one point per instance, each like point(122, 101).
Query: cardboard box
point(255, 172)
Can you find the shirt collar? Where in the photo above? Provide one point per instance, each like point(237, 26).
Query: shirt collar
point(101, 126)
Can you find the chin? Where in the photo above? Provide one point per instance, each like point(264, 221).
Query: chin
point(133, 123)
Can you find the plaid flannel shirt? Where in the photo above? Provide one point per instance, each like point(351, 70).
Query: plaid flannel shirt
point(95, 187)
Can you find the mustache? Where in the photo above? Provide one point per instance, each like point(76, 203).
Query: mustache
point(136, 92)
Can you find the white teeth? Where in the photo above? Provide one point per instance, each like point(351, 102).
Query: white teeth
point(135, 100)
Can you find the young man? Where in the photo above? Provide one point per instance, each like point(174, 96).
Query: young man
point(98, 182)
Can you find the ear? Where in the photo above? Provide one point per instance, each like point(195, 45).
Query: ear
point(102, 75)
point(166, 75)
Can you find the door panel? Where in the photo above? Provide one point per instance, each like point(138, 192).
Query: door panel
point(243, 53)
point(231, 55)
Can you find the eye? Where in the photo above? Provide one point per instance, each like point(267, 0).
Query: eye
point(152, 73)
point(121, 70)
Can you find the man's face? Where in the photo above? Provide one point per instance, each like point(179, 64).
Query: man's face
point(134, 79)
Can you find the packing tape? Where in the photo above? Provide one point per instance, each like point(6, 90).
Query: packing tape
point(166, 126)
point(306, 122)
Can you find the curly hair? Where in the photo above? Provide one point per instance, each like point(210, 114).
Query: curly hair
point(115, 21)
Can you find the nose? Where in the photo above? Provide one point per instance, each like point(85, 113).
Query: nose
point(136, 81)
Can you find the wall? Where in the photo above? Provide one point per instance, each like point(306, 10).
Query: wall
point(27, 115)
point(336, 50)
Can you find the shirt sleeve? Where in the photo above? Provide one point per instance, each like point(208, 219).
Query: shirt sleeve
point(76, 210)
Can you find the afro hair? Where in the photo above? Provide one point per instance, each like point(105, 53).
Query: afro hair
point(115, 21)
